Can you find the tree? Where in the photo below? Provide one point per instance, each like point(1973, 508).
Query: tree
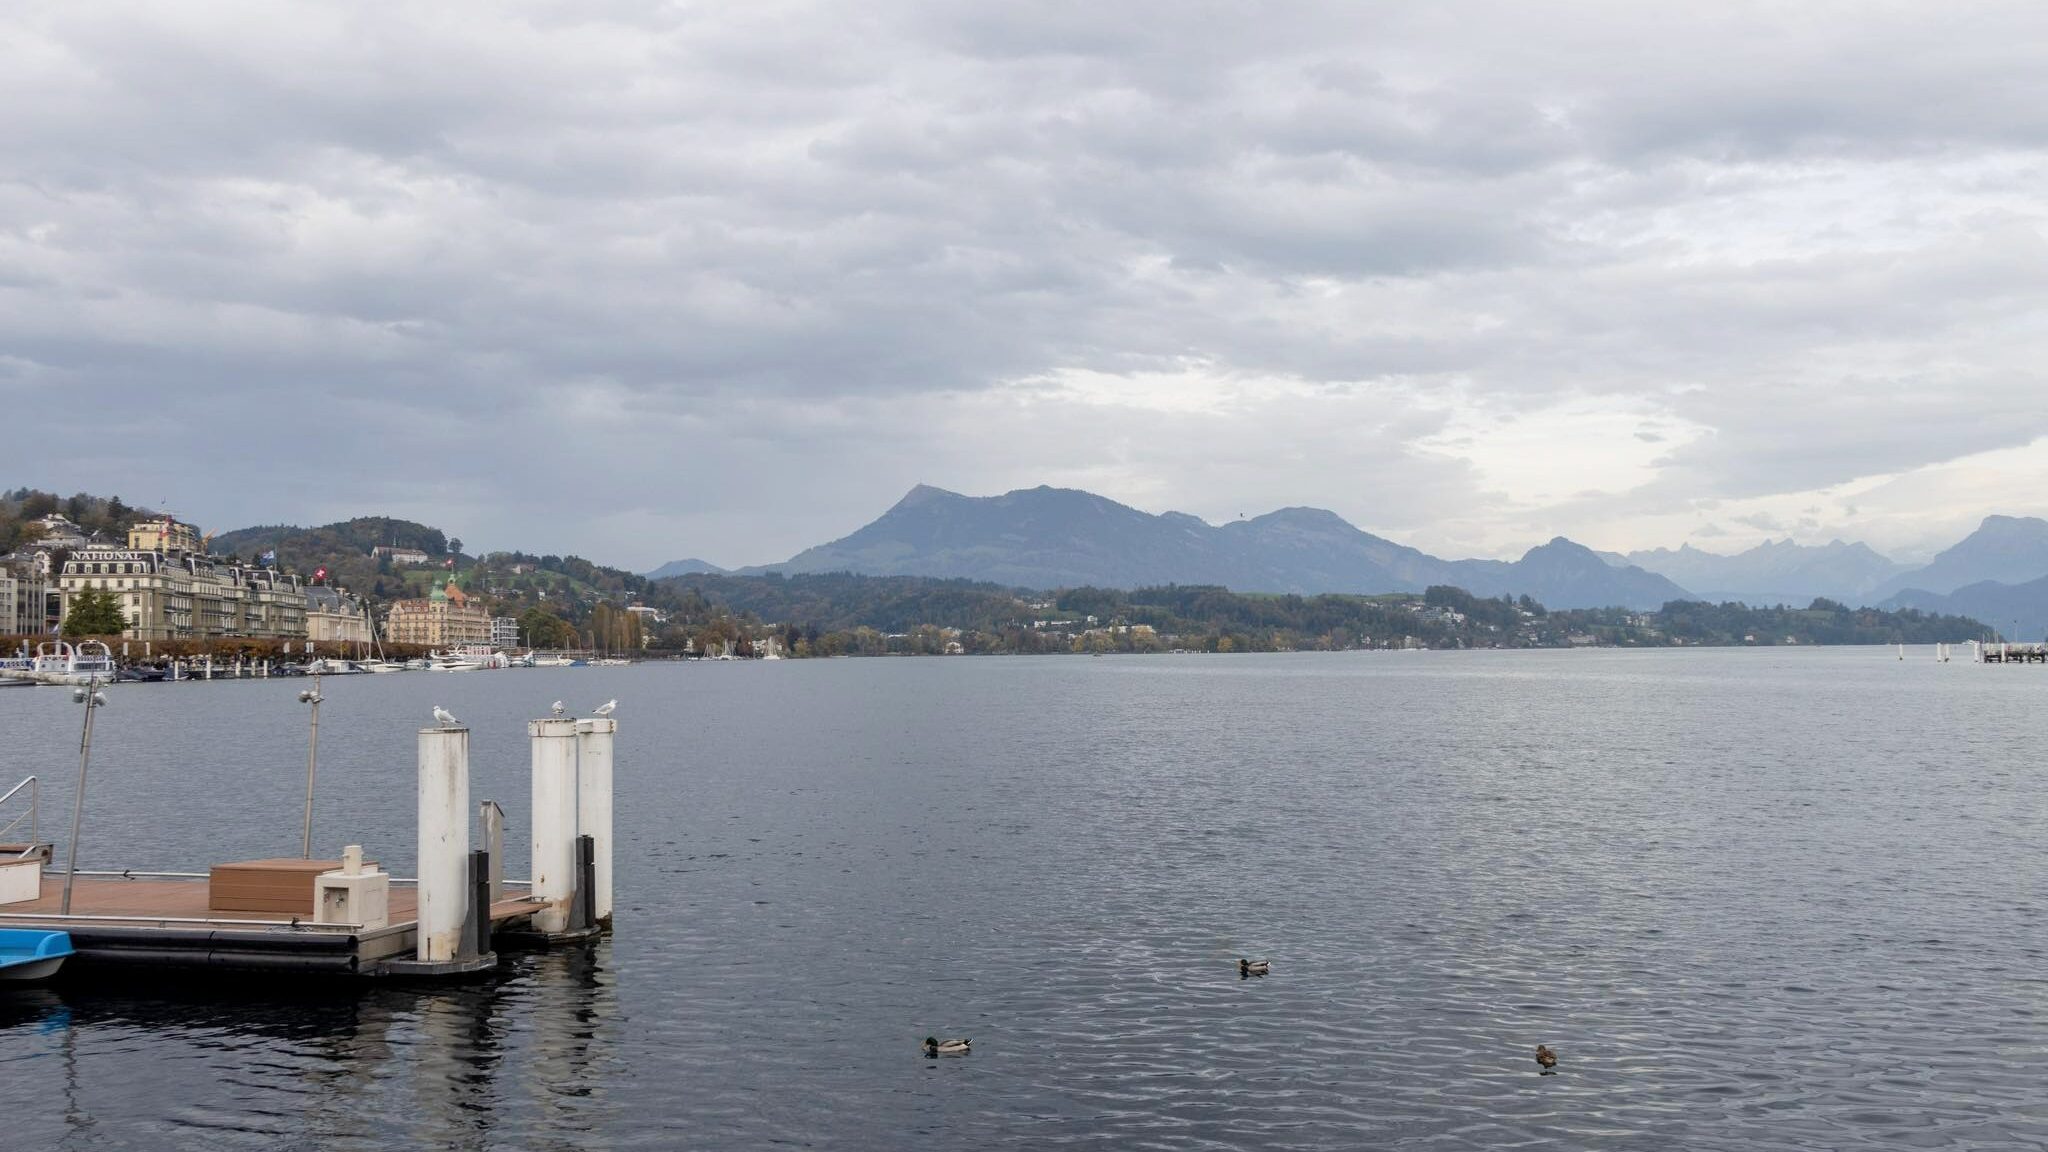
point(95, 612)
point(544, 629)
point(455, 545)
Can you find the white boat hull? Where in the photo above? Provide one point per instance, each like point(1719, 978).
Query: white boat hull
point(33, 970)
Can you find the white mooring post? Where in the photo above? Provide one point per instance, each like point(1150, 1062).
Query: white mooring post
point(554, 821)
point(444, 842)
point(594, 808)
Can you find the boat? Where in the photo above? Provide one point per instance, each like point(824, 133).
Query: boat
point(378, 666)
point(537, 661)
point(28, 954)
point(468, 658)
point(60, 661)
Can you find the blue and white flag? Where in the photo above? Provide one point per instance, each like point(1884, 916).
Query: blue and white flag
point(269, 557)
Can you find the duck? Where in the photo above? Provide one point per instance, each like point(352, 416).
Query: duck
point(1247, 968)
point(935, 1047)
point(1546, 1057)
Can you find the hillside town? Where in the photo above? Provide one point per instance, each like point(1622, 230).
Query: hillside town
point(165, 586)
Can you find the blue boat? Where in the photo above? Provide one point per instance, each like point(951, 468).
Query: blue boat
point(28, 954)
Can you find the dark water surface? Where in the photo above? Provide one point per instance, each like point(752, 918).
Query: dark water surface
point(1755, 899)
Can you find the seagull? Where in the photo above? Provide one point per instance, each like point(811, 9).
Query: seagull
point(605, 709)
point(445, 717)
point(556, 708)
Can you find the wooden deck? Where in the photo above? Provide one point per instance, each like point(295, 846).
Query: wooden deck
point(154, 900)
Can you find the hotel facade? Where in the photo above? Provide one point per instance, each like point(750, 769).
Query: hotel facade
point(442, 619)
point(169, 589)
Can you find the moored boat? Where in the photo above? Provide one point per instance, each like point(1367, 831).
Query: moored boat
point(28, 954)
point(60, 661)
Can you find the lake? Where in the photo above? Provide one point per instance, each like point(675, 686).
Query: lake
point(1753, 898)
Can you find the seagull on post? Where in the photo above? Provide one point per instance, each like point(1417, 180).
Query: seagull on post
point(557, 708)
point(605, 709)
point(444, 717)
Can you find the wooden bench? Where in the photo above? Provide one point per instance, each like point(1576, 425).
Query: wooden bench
point(283, 886)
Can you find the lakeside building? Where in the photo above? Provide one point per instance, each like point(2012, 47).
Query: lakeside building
point(29, 600)
point(56, 532)
point(335, 617)
point(12, 593)
point(504, 632)
point(442, 619)
point(169, 589)
point(398, 556)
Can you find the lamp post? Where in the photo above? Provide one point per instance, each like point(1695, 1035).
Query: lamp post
point(93, 699)
point(311, 696)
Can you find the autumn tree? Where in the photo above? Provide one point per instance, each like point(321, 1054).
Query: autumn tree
point(544, 629)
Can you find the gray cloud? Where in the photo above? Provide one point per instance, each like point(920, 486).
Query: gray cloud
point(737, 276)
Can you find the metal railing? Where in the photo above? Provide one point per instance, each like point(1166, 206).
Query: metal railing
point(31, 815)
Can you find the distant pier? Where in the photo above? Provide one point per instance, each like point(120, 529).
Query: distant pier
point(2013, 654)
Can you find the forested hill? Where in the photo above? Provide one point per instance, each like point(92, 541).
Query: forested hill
point(357, 536)
point(343, 549)
point(107, 517)
point(991, 618)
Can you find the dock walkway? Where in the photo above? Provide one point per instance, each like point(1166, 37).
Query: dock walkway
point(166, 921)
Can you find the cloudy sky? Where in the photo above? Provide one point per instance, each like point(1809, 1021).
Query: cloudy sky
point(644, 281)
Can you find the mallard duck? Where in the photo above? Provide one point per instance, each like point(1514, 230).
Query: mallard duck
point(1247, 968)
point(1546, 1057)
point(933, 1046)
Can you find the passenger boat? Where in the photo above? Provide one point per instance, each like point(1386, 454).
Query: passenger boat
point(28, 954)
point(74, 663)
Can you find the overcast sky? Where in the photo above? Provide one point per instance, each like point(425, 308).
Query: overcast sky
point(724, 280)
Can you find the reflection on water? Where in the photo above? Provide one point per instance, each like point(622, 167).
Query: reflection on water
point(472, 1066)
point(1753, 899)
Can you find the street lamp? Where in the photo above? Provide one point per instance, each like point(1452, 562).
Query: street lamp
point(93, 699)
point(311, 696)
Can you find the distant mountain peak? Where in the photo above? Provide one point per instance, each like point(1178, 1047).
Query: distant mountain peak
point(2006, 549)
point(688, 567)
point(1303, 517)
point(924, 494)
point(1998, 522)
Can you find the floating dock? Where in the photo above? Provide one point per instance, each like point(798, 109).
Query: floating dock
point(2013, 653)
point(347, 917)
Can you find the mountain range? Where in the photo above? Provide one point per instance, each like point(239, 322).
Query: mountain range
point(1049, 537)
point(1774, 572)
point(1057, 537)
